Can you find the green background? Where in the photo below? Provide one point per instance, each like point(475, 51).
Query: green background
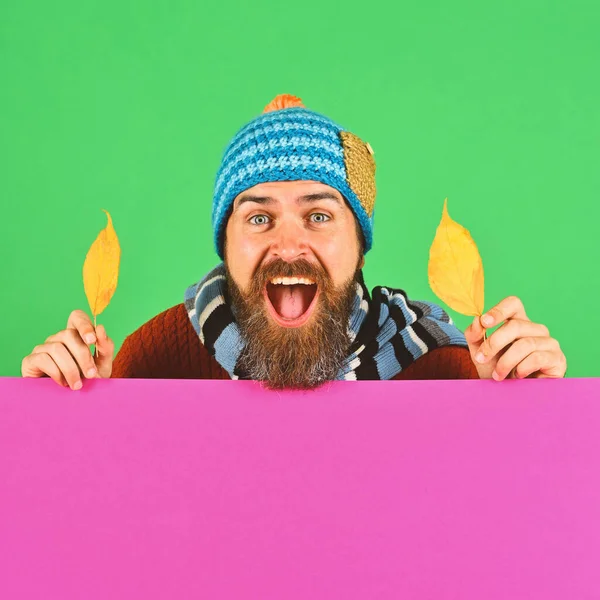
point(128, 106)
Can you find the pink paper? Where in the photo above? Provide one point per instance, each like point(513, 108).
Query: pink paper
point(362, 490)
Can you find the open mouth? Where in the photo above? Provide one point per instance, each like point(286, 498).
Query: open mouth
point(291, 300)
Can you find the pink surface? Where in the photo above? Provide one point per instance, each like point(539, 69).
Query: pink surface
point(213, 489)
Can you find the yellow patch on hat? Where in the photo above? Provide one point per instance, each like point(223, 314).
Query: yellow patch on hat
point(360, 167)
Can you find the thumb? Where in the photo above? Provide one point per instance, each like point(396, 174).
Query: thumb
point(105, 348)
point(474, 334)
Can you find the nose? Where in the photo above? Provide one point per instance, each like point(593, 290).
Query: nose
point(289, 241)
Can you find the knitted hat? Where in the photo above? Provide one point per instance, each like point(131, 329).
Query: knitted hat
point(288, 142)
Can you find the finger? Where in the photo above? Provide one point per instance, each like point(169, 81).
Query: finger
point(557, 369)
point(65, 362)
point(524, 348)
point(81, 322)
point(106, 350)
point(474, 334)
point(509, 308)
point(506, 334)
point(543, 364)
point(78, 349)
point(40, 365)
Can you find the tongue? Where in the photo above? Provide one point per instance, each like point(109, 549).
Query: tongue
point(290, 301)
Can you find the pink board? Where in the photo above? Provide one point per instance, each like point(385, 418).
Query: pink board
point(212, 489)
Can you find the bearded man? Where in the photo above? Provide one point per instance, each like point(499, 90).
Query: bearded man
point(293, 219)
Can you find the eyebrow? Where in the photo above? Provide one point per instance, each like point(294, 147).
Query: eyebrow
point(265, 200)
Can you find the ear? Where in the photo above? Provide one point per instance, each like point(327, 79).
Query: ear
point(362, 261)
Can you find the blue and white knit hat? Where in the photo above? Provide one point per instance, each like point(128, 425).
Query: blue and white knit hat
point(288, 142)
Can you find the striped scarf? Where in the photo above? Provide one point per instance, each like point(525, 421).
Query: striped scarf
point(388, 332)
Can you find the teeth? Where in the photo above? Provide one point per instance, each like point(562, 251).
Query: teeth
point(292, 281)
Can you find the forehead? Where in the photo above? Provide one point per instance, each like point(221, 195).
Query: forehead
point(288, 192)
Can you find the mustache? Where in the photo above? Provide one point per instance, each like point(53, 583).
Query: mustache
point(281, 268)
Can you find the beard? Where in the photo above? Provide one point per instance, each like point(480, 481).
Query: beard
point(301, 357)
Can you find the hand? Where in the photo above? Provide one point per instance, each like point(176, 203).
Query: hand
point(66, 356)
point(517, 349)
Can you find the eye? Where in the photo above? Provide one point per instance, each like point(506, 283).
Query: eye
point(319, 218)
point(259, 220)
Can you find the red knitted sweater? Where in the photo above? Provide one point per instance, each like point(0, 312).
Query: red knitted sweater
point(167, 347)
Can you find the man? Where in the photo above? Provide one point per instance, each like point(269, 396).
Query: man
point(293, 219)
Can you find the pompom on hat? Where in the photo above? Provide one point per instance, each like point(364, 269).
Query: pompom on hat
point(288, 142)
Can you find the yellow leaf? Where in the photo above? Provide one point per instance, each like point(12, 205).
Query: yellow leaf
point(101, 269)
point(455, 268)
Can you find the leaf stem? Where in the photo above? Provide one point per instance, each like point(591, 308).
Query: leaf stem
point(96, 349)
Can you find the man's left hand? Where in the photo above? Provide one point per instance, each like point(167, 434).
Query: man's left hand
point(517, 349)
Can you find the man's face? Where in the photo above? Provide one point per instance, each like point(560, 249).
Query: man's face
point(292, 254)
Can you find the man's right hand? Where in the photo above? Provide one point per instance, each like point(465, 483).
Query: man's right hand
point(66, 357)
